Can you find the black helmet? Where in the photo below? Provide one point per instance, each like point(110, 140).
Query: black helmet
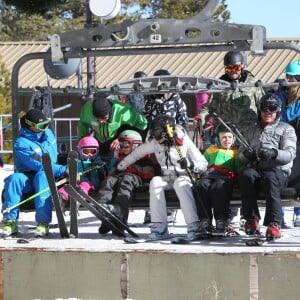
point(233, 58)
point(222, 128)
point(139, 74)
point(161, 72)
point(158, 126)
point(271, 101)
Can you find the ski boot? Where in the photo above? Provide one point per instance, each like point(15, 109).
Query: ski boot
point(252, 227)
point(273, 231)
point(42, 229)
point(159, 230)
point(220, 229)
point(10, 228)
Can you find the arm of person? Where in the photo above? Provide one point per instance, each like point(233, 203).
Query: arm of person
point(194, 154)
point(139, 121)
point(210, 107)
point(293, 111)
point(137, 154)
point(287, 146)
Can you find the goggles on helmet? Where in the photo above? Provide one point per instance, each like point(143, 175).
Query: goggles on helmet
point(42, 126)
point(233, 68)
point(270, 108)
point(128, 143)
point(89, 152)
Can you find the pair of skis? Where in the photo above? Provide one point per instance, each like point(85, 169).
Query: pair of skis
point(79, 196)
point(72, 165)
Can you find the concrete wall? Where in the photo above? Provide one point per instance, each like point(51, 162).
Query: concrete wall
point(148, 275)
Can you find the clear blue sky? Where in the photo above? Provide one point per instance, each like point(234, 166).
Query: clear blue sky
point(280, 17)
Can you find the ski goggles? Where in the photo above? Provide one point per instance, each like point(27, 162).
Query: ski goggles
point(270, 109)
point(233, 68)
point(89, 151)
point(128, 144)
point(42, 126)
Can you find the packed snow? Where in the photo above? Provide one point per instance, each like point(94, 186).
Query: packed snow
point(90, 240)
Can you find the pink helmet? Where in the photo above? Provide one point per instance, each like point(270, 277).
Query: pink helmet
point(88, 148)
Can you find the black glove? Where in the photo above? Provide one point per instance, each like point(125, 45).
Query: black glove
point(267, 153)
point(250, 155)
point(183, 163)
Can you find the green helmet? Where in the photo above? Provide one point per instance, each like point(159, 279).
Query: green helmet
point(130, 138)
point(293, 68)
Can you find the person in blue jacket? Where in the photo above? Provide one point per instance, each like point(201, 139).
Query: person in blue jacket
point(34, 139)
point(290, 113)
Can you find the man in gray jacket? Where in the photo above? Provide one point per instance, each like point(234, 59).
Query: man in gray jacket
point(270, 155)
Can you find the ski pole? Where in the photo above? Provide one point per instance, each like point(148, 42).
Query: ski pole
point(170, 133)
point(58, 183)
point(236, 133)
point(62, 181)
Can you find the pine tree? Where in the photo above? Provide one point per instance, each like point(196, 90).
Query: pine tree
point(35, 19)
point(5, 108)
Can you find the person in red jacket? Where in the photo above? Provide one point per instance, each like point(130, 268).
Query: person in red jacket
point(116, 192)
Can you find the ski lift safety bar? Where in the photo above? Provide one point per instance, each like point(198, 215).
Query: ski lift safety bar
point(172, 36)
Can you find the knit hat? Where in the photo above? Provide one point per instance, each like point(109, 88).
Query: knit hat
point(101, 107)
point(34, 115)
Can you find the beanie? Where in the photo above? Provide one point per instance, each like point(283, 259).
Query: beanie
point(34, 115)
point(101, 107)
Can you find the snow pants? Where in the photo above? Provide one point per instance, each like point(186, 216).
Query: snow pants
point(271, 182)
point(118, 190)
point(183, 188)
point(18, 184)
point(214, 195)
point(86, 186)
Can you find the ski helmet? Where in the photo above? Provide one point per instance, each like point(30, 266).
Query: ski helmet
point(139, 74)
point(271, 101)
point(233, 58)
point(293, 68)
point(161, 72)
point(158, 126)
point(222, 128)
point(88, 148)
point(129, 138)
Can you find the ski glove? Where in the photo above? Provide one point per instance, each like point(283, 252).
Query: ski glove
point(267, 153)
point(250, 155)
point(183, 163)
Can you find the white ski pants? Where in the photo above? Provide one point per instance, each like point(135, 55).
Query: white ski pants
point(182, 186)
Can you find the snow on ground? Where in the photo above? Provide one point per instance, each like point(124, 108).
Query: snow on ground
point(90, 240)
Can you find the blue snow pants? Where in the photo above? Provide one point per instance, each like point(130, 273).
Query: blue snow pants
point(18, 184)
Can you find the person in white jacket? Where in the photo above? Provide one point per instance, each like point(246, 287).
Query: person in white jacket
point(174, 173)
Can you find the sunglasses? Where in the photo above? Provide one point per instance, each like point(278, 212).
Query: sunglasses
point(233, 68)
point(270, 109)
point(42, 126)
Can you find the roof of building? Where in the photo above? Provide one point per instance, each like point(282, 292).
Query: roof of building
point(112, 69)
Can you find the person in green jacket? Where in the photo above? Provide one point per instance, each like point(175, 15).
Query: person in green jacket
point(215, 185)
point(106, 119)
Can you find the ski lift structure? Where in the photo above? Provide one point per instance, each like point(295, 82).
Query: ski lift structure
point(146, 36)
